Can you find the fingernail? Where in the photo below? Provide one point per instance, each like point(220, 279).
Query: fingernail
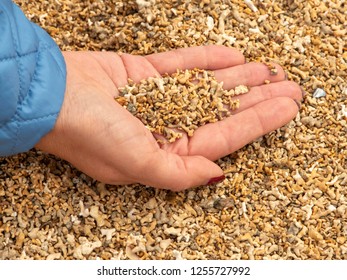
point(216, 180)
point(303, 92)
point(286, 76)
point(298, 103)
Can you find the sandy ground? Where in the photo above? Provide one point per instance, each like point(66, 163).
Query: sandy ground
point(284, 196)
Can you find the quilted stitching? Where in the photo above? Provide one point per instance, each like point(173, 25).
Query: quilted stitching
point(37, 82)
point(17, 56)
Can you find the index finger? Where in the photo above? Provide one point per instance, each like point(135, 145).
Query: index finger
point(203, 57)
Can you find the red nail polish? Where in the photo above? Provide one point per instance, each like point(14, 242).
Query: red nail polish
point(216, 180)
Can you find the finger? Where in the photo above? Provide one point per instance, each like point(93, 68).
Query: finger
point(219, 139)
point(262, 93)
point(202, 57)
point(249, 74)
point(170, 171)
point(138, 68)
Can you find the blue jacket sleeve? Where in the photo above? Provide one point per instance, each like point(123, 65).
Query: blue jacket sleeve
point(32, 81)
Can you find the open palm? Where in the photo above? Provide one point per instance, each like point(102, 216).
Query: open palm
point(102, 139)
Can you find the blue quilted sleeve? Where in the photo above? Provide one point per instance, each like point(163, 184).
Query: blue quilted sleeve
point(32, 81)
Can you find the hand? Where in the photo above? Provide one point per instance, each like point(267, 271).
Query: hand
point(102, 139)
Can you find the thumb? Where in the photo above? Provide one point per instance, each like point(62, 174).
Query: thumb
point(166, 170)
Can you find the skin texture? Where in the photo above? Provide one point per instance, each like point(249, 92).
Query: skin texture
point(102, 139)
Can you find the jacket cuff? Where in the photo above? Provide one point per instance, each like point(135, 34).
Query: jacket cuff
point(36, 87)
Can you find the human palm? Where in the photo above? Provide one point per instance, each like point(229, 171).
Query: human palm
point(102, 139)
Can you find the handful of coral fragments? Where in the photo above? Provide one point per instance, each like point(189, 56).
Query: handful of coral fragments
point(178, 103)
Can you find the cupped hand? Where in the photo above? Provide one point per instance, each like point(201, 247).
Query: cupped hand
point(102, 139)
